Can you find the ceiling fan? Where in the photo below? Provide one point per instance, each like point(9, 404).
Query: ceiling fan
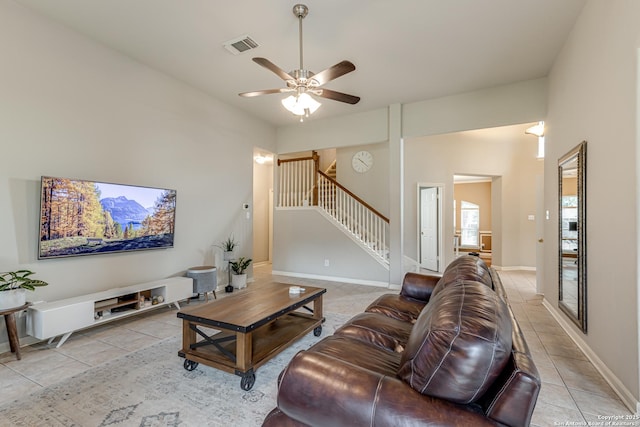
point(303, 83)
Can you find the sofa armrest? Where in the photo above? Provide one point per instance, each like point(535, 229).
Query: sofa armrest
point(320, 390)
point(419, 286)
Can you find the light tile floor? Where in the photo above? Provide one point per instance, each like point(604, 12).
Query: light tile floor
point(572, 391)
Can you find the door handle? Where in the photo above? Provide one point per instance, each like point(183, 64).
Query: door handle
point(540, 240)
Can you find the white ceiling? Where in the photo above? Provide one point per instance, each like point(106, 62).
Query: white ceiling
point(404, 50)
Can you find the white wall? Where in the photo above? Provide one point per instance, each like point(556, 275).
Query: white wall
point(353, 129)
point(371, 186)
point(305, 239)
point(499, 152)
point(72, 108)
point(593, 96)
point(519, 102)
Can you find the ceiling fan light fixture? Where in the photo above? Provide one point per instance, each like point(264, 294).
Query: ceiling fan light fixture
point(301, 105)
point(304, 82)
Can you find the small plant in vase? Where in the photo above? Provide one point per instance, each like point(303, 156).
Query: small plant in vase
point(228, 247)
point(13, 287)
point(239, 266)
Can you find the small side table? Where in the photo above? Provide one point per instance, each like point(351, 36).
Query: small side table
point(205, 280)
point(12, 330)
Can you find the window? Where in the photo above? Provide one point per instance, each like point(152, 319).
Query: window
point(569, 224)
point(470, 224)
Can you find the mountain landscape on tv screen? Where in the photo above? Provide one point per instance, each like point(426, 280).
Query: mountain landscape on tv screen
point(79, 217)
point(125, 211)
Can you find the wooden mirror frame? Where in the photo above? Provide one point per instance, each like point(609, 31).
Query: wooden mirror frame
point(578, 314)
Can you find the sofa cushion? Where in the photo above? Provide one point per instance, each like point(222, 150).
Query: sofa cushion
point(377, 329)
point(419, 286)
point(459, 344)
point(359, 353)
point(472, 260)
point(466, 267)
point(397, 306)
point(512, 397)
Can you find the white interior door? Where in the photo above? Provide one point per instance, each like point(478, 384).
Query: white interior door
point(429, 236)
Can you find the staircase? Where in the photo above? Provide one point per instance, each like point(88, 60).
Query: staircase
point(331, 171)
point(301, 184)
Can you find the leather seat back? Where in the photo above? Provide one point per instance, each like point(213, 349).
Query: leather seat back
point(466, 267)
point(459, 344)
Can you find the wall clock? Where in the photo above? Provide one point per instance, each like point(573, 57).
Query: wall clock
point(362, 161)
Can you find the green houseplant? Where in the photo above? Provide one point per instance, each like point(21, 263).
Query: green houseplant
point(240, 265)
point(13, 287)
point(228, 247)
point(239, 278)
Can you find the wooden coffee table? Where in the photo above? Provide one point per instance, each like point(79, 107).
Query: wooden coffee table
point(251, 327)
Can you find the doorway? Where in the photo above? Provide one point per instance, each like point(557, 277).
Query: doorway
point(472, 217)
point(430, 225)
point(262, 206)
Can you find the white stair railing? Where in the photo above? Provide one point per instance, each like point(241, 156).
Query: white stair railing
point(296, 182)
point(300, 184)
point(363, 222)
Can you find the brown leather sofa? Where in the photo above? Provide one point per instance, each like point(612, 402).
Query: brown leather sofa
point(446, 351)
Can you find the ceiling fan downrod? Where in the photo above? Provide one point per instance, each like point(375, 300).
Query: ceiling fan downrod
point(300, 11)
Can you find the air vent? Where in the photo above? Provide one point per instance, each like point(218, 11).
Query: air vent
point(240, 45)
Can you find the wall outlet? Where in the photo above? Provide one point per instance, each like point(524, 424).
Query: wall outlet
point(326, 263)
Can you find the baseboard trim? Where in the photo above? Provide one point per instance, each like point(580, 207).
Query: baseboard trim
point(512, 268)
point(334, 279)
point(618, 387)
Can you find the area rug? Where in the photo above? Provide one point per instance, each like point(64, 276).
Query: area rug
point(150, 387)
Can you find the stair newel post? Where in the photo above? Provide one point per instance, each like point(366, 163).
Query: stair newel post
point(316, 176)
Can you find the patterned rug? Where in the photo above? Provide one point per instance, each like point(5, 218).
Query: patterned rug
point(150, 387)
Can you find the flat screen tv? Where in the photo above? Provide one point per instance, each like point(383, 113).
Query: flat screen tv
point(80, 217)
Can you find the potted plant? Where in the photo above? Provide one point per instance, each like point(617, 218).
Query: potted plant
point(13, 287)
point(239, 278)
point(227, 247)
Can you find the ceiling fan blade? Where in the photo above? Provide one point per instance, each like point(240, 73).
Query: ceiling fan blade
point(274, 68)
point(265, 92)
point(338, 96)
point(340, 69)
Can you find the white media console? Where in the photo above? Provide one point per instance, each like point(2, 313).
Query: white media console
point(48, 320)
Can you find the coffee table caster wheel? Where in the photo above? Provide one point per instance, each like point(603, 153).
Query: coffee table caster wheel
point(317, 331)
point(190, 365)
point(247, 381)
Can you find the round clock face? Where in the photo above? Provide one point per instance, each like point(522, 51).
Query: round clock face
point(362, 161)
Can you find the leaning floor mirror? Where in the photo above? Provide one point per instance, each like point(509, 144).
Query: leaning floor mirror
point(572, 213)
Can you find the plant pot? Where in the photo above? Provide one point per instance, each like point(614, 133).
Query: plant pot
point(12, 298)
point(239, 281)
point(227, 255)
